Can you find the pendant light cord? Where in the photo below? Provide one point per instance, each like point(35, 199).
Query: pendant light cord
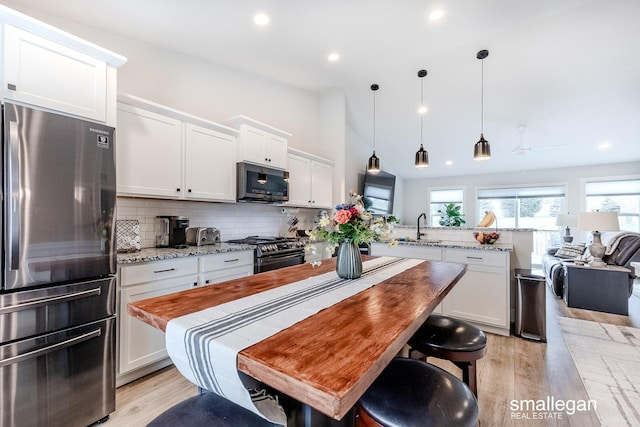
point(421, 106)
point(482, 99)
point(374, 121)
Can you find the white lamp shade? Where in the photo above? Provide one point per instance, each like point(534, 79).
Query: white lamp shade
point(598, 221)
point(567, 220)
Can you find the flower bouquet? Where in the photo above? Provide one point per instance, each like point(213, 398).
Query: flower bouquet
point(349, 225)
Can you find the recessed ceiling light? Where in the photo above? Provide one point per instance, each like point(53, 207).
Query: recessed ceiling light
point(448, 163)
point(333, 56)
point(436, 14)
point(604, 146)
point(261, 19)
point(422, 109)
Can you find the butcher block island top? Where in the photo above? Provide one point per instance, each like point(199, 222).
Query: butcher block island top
point(329, 359)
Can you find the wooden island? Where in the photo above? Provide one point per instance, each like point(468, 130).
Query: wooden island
point(328, 360)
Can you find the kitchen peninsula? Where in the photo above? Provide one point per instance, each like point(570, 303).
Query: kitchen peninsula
point(485, 296)
point(330, 358)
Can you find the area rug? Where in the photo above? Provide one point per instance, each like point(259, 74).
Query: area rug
point(608, 360)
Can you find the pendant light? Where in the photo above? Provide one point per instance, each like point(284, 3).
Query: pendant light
point(286, 176)
point(373, 166)
point(422, 156)
point(482, 150)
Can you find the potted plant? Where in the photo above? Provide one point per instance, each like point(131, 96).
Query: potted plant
point(451, 216)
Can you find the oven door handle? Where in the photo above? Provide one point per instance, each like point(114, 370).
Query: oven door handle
point(50, 349)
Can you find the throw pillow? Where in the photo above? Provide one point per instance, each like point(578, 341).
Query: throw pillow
point(570, 250)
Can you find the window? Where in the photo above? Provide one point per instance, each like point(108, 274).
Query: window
point(622, 196)
point(439, 198)
point(527, 207)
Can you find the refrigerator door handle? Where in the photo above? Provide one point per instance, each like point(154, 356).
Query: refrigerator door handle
point(50, 349)
point(14, 206)
point(39, 302)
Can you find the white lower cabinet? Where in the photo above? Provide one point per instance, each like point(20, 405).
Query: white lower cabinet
point(407, 251)
point(141, 347)
point(482, 296)
point(225, 266)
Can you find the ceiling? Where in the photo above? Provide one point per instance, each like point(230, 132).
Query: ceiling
point(562, 77)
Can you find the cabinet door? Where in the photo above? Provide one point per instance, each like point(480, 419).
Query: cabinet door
point(321, 185)
point(210, 166)
point(142, 344)
point(41, 72)
point(149, 153)
point(299, 181)
point(253, 145)
point(482, 294)
point(276, 151)
point(480, 297)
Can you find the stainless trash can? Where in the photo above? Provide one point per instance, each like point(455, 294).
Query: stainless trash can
point(531, 312)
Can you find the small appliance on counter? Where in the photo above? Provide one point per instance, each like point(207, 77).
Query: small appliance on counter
point(174, 232)
point(200, 236)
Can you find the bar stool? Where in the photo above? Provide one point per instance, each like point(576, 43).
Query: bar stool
point(410, 392)
point(454, 340)
point(211, 410)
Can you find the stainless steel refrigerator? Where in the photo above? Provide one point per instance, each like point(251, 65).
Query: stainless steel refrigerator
point(57, 299)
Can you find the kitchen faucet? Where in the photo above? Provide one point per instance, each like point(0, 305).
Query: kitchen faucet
point(419, 233)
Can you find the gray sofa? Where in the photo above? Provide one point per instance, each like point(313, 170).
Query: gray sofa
point(622, 250)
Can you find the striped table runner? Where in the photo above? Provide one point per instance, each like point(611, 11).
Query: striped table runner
point(204, 345)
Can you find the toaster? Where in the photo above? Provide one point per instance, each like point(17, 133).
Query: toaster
point(200, 236)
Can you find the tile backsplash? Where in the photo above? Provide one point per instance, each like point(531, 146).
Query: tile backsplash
point(234, 220)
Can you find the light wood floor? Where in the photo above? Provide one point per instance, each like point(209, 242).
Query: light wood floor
point(513, 368)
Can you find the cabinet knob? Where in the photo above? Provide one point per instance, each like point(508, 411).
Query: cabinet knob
point(195, 284)
point(189, 190)
point(178, 190)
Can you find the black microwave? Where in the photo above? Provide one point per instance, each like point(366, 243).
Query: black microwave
point(261, 184)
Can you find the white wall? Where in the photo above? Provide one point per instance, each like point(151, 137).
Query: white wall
point(416, 191)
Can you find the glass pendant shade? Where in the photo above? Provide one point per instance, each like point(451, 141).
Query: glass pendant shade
point(422, 158)
point(286, 176)
point(262, 177)
point(374, 164)
point(482, 150)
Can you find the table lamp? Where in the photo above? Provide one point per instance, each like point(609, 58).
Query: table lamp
point(597, 222)
point(567, 220)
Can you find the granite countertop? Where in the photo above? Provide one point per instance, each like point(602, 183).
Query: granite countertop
point(158, 254)
point(457, 245)
point(499, 229)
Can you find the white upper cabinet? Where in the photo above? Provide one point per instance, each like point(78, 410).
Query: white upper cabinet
point(310, 180)
point(169, 154)
point(210, 169)
point(45, 67)
point(149, 153)
point(260, 143)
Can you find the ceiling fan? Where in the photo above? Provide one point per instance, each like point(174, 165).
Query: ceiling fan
point(521, 149)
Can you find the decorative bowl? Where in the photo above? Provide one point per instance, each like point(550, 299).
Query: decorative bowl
point(486, 238)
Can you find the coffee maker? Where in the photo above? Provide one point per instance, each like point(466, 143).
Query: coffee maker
point(174, 232)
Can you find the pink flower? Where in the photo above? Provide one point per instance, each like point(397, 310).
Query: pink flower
point(343, 216)
point(354, 211)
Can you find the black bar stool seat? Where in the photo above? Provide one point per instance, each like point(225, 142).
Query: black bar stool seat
point(451, 339)
point(211, 410)
point(410, 392)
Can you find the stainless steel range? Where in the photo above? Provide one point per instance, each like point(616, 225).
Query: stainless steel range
point(272, 253)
